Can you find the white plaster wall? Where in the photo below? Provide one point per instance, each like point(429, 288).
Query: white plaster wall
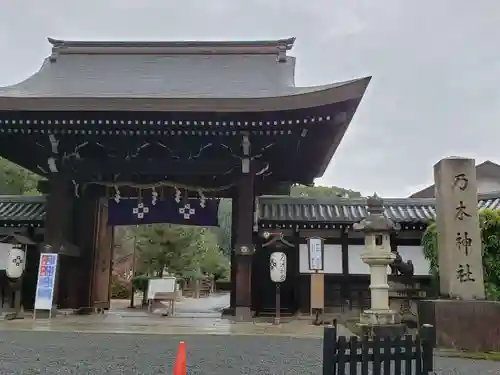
point(413, 253)
point(332, 262)
point(356, 265)
point(488, 185)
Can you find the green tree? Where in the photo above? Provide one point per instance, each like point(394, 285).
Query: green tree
point(224, 229)
point(125, 238)
point(489, 221)
point(15, 180)
point(322, 191)
point(183, 251)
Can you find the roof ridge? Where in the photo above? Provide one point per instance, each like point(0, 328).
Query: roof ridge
point(272, 46)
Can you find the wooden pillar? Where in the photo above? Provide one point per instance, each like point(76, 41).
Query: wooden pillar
point(297, 287)
point(244, 249)
point(344, 243)
point(102, 259)
point(86, 211)
point(58, 224)
point(234, 216)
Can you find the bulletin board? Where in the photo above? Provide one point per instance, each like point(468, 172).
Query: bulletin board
point(164, 285)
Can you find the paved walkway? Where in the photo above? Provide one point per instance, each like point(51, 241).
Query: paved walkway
point(187, 307)
point(192, 317)
point(142, 323)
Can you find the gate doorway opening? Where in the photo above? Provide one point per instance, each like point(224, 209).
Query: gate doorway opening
point(194, 255)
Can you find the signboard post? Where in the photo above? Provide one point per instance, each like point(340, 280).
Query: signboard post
point(316, 250)
point(277, 268)
point(45, 283)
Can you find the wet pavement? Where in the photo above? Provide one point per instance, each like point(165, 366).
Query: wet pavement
point(55, 353)
point(131, 341)
point(187, 307)
point(192, 317)
point(142, 323)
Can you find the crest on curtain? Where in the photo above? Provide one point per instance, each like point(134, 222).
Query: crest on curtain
point(191, 211)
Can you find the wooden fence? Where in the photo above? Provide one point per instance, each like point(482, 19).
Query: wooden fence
point(381, 355)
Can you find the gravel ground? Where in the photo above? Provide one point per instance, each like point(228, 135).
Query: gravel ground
point(52, 353)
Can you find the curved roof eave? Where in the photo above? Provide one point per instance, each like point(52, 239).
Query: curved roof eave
point(16, 99)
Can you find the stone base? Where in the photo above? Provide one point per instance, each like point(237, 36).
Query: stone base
point(463, 325)
point(228, 311)
point(383, 330)
point(379, 317)
point(46, 314)
point(243, 314)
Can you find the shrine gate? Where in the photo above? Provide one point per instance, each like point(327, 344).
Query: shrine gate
point(174, 123)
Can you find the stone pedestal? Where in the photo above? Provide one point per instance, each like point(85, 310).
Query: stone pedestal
point(378, 261)
point(463, 325)
point(379, 319)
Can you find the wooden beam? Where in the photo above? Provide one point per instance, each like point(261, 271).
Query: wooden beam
point(95, 190)
point(81, 169)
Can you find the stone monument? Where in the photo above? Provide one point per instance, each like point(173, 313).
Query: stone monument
point(379, 319)
point(457, 223)
point(462, 317)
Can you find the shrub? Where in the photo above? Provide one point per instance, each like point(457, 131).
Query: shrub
point(489, 221)
point(140, 283)
point(120, 288)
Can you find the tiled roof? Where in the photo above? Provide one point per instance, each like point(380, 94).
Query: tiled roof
point(162, 70)
point(18, 210)
point(345, 210)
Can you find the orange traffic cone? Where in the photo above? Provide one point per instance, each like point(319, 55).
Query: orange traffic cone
point(180, 360)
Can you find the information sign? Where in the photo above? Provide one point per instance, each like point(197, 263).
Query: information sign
point(46, 281)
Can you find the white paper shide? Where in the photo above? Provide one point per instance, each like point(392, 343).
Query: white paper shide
point(277, 267)
point(315, 245)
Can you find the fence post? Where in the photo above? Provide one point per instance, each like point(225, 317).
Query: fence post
point(329, 350)
point(428, 341)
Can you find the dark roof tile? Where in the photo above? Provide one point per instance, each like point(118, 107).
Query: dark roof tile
point(344, 210)
point(22, 210)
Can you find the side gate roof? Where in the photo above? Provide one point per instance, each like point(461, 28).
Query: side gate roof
point(348, 211)
point(22, 211)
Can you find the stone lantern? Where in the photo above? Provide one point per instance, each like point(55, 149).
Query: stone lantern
point(378, 255)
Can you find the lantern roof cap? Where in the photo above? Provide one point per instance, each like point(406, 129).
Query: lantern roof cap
point(376, 221)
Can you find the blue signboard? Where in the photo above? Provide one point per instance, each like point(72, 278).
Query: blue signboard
point(46, 280)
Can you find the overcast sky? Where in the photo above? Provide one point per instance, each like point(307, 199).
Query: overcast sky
point(435, 64)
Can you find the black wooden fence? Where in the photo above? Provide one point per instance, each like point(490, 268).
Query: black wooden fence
point(381, 355)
